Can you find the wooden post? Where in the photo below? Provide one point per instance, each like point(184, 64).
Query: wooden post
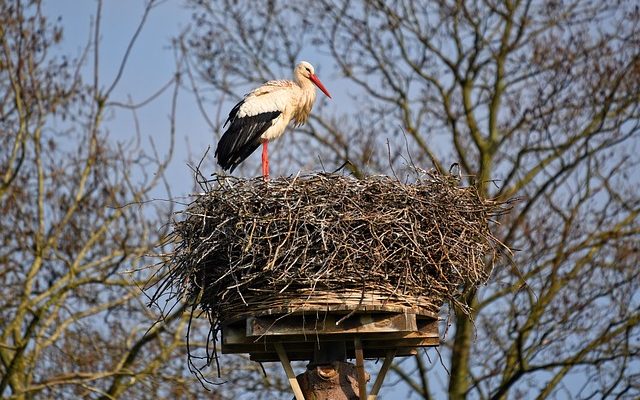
point(388, 359)
point(289, 371)
point(362, 380)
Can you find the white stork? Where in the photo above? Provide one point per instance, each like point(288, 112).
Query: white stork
point(264, 114)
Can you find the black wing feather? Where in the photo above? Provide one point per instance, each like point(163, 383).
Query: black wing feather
point(233, 113)
point(242, 137)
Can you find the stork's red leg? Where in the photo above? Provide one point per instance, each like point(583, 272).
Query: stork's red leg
point(265, 160)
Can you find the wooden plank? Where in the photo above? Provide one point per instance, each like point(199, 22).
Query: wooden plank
point(340, 307)
point(267, 347)
point(430, 340)
point(362, 380)
point(311, 311)
point(312, 301)
point(308, 355)
point(357, 324)
point(388, 359)
point(234, 337)
point(293, 381)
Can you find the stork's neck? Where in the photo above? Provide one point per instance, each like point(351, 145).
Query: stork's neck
point(307, 97)
point(302, 81)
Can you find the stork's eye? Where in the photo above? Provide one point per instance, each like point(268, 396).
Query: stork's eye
point(308, 70)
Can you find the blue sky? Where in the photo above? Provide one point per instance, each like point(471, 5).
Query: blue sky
point(149, 67)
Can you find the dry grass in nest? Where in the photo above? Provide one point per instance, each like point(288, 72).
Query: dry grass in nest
point(247, 246)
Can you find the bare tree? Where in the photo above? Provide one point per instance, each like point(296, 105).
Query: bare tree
point(72, 323)
point(79, 229)
point(533, 99)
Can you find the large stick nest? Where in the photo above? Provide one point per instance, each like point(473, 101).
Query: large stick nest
point(249, 246)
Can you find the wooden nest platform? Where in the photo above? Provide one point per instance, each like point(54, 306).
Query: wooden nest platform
point(324, 257)
point(305, 334)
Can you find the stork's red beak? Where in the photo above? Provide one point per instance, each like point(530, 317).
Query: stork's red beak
point(316, 81)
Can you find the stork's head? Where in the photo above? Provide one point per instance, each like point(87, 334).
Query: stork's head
point(305, 71)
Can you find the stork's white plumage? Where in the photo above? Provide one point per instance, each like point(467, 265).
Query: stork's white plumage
point(264, 114)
